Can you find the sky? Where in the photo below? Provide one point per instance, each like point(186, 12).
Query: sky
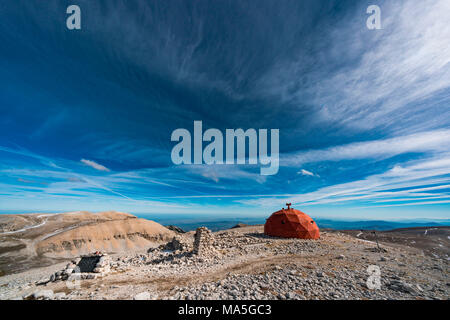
point(86, 115)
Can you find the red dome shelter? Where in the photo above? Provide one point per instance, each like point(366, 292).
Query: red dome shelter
point(291, 223)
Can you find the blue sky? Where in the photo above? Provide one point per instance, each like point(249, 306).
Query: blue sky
point(364, 116)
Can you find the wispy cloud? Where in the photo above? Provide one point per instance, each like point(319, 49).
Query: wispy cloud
point(304, 172)
point(430, 141)
point(365, 109)
point(225, 172)
point(418, 179)
point(386, 75)
point(94, 165)
point(64, 180)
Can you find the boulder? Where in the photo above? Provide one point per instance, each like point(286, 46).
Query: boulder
point(401, 286)
point(42, 295)
point(176, 229)
point(239, 225)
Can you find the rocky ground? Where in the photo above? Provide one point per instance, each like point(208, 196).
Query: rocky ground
point(243, 263)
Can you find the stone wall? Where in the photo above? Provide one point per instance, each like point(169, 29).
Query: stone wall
point(86, 267)
point(203, 242)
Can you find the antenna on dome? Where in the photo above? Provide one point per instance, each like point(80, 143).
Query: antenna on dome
point(289, 205)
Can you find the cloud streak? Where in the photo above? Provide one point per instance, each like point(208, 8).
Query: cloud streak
point(94, 165)
point(416, 180)
point(304, 172)
point(423, 142)
point(390, 77)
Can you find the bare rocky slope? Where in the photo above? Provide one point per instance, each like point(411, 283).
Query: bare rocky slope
point(31, 240)
point(109, 236)
point(243, 263)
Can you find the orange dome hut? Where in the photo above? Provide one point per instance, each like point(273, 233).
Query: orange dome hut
point(291, 223)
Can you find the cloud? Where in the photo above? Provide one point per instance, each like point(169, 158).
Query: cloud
point(31, 181)
point(395, 78)
point(418, 180)
point(430, 141)
point(219, 172)
point(75, 179)
point(304, 172)
point(95, 165)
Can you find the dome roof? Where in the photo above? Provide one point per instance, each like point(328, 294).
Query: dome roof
point(291, 223)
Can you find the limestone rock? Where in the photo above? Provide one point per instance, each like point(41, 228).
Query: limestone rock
point(42, 295)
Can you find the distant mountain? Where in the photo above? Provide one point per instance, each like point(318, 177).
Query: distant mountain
point(189, 224)
point(380, 225)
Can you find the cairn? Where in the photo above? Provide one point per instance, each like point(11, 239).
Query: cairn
point(203, 242)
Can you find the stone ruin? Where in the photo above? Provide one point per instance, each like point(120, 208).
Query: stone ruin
point(96, 263)
point(86, 267)
point(203, 242)
point(99, 264)
point(176, 244)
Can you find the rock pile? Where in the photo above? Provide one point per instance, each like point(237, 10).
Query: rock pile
point(177, 244)
point(203, 242)
point(62, 274)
